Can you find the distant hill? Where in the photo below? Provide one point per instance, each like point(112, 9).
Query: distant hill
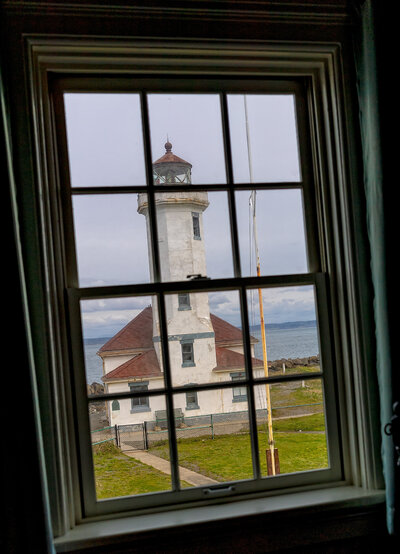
point(98, 340)
point(286, 325)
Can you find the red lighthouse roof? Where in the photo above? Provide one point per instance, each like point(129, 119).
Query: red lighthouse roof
point(169, 157)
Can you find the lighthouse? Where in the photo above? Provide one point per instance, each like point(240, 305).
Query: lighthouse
point(181, 245)
point(202, 347)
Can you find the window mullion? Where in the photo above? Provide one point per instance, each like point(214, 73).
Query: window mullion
point(231, 192)
point(155, 261)
point(169, 395)
point(250, 387)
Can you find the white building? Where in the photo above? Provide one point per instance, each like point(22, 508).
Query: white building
point(203, 348)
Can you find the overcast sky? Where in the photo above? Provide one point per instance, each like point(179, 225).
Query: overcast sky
point(105, 148)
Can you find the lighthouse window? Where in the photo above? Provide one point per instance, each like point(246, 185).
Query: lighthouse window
point(187, 353)
point(184, 301)
point(196, 226)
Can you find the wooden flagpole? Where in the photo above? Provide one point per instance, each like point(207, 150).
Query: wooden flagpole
point(273, 452)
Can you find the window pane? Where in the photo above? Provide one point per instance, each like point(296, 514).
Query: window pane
point(296, 427)
point(207, 440)
point(120, 353)
point(111, 240)
point(291, 332)
point(264, 138)
point(104, 135)
point(186, 138)
point(205, 342)
point(194, 234)
point(122, 461)
point(272, 223)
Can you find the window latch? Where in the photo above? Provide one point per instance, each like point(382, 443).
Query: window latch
point(393, 429)
point(197, 276)
point(215, 491)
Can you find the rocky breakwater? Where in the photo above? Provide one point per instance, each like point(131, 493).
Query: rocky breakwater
point(95, 388)
point(291, 363)
point(97, 409)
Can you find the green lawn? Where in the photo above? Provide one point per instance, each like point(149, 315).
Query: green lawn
point(301, 444)
point(314, 422)
point(228, 457)
point(118, 475)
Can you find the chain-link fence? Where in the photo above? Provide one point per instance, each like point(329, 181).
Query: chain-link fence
point(105, 434)
point(142, 436)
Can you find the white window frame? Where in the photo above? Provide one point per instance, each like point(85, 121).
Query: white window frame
point(321, 66)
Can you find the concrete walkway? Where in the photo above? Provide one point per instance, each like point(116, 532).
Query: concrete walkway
point(187, 475)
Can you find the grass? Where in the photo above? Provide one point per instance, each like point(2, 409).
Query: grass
point(119, 475)
point(301, 443)
point(228, 457)
point(314, 422)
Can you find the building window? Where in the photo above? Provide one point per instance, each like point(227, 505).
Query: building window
point(187, 353)
point(240, 392)
point(139, 403)
point(192, 400)
point(184, 301)
point(196, 226)
point(115, 405)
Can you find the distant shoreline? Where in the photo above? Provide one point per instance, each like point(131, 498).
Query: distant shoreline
point(253, 328)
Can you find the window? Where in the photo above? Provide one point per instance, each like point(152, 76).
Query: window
point(291, 199)
point(141, 403)
point(183, 301)
point(187, 353)
point(191, 400)
point(196, 226)
point(239, 393)
point(265, 275)
point(115, 405)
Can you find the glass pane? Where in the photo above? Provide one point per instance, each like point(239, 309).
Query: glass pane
point(205, 340)
point(296, 427)
point(105, 139)
point(264, 138)
point(111, 240)
point(186, 138)
point(291, 334)
point(271, 224)
point(123, 465)
point(207, 438)
point(119, 349)
point(194, 233)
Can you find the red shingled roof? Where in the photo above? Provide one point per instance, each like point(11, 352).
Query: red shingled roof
point(142, 365)
point(169, 157)
point(224, 331)
point(138, 333)
point(229, 360)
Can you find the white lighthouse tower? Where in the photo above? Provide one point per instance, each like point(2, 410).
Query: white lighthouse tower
point(182, 254)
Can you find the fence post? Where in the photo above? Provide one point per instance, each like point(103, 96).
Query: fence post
point(212, 427)
point(145, 436)
point(116, 435)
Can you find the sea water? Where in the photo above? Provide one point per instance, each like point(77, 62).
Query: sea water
point(293, 342)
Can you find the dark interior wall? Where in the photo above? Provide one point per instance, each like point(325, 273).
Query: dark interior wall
point(23, 520)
